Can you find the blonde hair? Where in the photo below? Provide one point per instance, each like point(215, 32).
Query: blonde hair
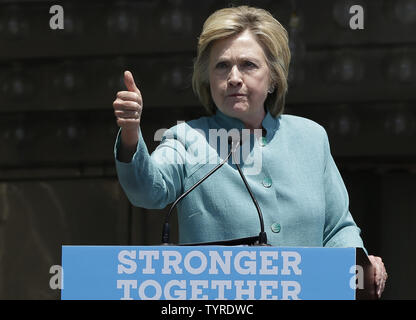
point(270, 34)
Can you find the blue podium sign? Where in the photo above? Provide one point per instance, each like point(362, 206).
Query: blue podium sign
point(207, 272)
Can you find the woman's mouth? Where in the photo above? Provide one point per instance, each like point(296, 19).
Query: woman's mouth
point(236, 95)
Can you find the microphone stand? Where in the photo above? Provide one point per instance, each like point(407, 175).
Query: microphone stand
point(260, 240)
point(166, 228)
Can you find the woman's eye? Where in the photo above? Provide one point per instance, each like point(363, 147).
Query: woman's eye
point(221, 65)
point(249, 64)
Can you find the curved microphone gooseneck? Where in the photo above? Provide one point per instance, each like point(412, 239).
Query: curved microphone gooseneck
point(261, 239)
point(262, 235)
point(166, 227)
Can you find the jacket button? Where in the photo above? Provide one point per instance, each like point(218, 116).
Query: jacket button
point(267, 182)
point(276, 227)
point(263, 141)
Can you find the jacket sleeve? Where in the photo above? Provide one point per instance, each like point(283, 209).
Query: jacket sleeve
point(152, 181)
point(340, 229)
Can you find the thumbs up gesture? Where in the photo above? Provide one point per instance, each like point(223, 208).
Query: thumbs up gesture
point(128, 105)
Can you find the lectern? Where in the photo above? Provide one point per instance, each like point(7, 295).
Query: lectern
point(215, 272)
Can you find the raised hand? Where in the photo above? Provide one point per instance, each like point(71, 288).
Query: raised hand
point(128, 105)
point(128, 108)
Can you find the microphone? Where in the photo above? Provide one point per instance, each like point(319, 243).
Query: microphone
point(261, 239)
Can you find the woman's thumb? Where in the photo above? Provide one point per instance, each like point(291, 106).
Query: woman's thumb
point(129, 82)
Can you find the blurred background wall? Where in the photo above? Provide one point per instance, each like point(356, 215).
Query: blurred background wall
point(57, 129)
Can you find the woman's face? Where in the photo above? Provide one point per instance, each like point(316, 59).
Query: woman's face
point(239, 78)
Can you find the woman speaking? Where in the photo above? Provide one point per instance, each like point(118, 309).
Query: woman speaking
point(240, 77)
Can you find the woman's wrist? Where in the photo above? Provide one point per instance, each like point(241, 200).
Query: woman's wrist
point(128, 144)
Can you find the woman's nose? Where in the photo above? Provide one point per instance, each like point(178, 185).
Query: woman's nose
point(234, 77)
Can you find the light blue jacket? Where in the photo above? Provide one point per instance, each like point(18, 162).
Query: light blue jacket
point(290, 171)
